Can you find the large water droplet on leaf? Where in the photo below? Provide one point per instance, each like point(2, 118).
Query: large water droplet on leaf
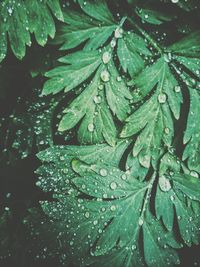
point(103, 172)
point(118, 32)
point(105, 76)
point(162, 98)
point(106, 57)
point(97, 99)
point(164, 183)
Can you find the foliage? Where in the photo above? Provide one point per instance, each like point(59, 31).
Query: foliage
point(115, 128)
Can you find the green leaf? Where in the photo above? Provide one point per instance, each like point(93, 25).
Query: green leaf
point(57, 161)
point(129, 52)
point(19, 19)
point(153, 121)
point(67, 77)
point(105, 93)
point(97, 9)
point(188, 46)
point(174, 191)
point(191, 137)
point(94, 29)
point(110, 219)
point(97, 123)
point(151, 15)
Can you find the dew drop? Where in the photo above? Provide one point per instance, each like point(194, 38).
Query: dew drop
point(140, 222)
point(103, 172)
point(105, 76)
point(87, 214)
point(123, 176)
point(83, 186)
point(118, 32)
point(162, 98)
point(91, 127)
point(194, 174)
point(119, 79)
point(167, 130)
point(106, 57)
point(177, 89)
point(10, 11)
point(95, 222)
point(113, 208)
point(100, 87)
point(164, 183)
point(133, 247)
point(113, 43)
point(97, 99)
point(113, 185)
point(172, 198)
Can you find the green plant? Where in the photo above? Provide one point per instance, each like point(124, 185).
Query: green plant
point(118, 116)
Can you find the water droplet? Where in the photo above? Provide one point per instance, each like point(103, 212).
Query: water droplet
point(164, 183)
point(65, 170)
point(162, 98)
point(141, 222)
point(97, 99)
point(62, 158)
point(113, 185)
point(100, 87)
point(95, 222)
point(174, 1)
point(113, 43)
point(10, 11)
point(105, 76)
point(123, 176)
point(119, 78)
point(118, 32)
point(194, 174)
point(83, 186)
point(106, 57)
point(91, 127)
point(177, 89)
point(113, 208)
point(103, 172)
point(172, 198)
point(133, 247)
point(87, 214)
point(167, 130)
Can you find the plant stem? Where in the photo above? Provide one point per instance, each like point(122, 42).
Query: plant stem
point(146, 35)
